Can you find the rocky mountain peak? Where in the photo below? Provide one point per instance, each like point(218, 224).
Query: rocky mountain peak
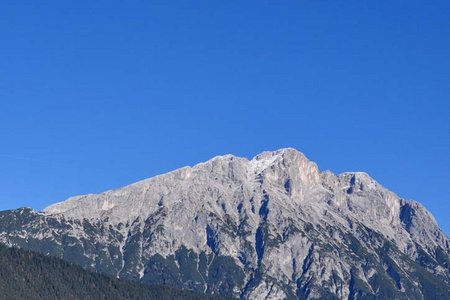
point(286, 168)
point(270, 227)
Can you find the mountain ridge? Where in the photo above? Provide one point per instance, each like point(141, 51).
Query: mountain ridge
point(251, 228)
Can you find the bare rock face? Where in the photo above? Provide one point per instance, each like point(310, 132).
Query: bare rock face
point(273, 227)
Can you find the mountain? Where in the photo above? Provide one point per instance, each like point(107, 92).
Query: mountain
point(272, 227)
point(28, 275)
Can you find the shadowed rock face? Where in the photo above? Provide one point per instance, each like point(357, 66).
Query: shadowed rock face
point(272, 227)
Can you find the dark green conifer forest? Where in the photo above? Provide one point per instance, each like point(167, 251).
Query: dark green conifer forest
point(28, 275)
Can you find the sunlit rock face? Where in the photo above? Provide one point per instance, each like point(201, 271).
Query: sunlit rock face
point(273, 227)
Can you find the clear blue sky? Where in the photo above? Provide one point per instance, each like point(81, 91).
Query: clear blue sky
point(98, 94)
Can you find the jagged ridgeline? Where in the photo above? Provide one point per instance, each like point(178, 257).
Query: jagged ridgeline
point(272, 227)
point(27, 275)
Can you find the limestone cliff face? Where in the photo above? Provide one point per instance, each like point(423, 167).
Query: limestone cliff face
point(272, 227)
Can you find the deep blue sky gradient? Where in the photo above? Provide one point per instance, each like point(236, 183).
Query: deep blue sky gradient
point(98, 94)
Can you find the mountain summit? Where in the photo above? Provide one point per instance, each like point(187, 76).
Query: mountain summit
point(272, 227)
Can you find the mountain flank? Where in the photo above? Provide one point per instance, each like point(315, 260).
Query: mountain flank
point(271, 227)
